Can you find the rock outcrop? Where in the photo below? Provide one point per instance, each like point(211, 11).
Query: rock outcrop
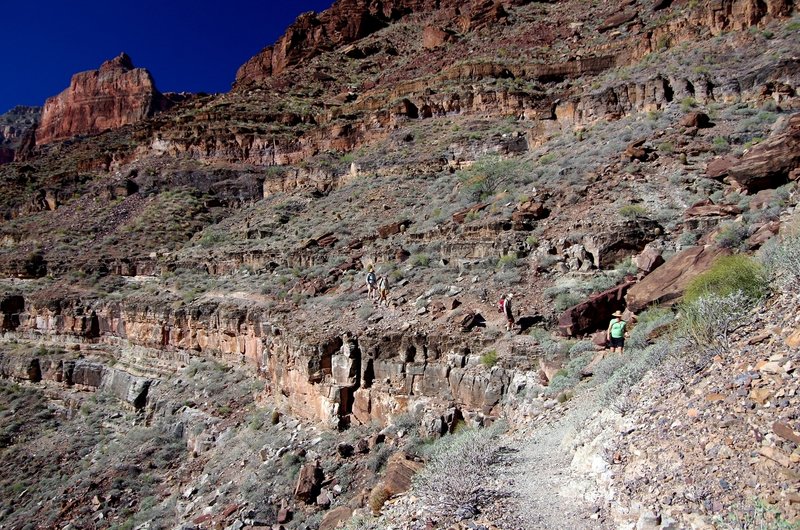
point(117, 94)
point(15, 126)
point(594, 313)
point(350, 20)
point(667, 283)
point(771, 163)
point(337, 379)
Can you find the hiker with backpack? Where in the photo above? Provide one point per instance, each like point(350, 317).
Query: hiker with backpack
point(615, 334)
point(372, 284)
point(504, 306)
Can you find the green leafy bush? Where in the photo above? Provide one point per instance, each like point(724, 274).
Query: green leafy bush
point(632, 211)
point(646, 323)
point(489, 358)
point(564, 301)
point(729, 274)
point(507, 261)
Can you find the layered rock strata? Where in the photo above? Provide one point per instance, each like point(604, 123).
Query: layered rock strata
point(116, 94)
point(337, 378)
point(350, 20)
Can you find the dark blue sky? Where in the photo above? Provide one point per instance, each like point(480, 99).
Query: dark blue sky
point(193, 46)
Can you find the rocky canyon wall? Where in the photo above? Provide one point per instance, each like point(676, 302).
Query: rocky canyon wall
point(116, 94)
point(335, 377)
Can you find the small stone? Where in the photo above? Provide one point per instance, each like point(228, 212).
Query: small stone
point(793, 340)
point(786, 432)
point(345, 450)
point(648, 521)
point(760, 395)
point(284, 516)
point(776, 455)
point(770, 367)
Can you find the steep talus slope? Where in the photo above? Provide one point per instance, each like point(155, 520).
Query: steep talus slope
point(464, 149)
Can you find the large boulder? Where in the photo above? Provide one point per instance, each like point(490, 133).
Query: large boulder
point(400, 470)
point(667, 283)
point(618, 242)
point(771, 163)
point(718, 168)
point(115, 95)
point(309, 482)
point(709, 209)
point(594, 313)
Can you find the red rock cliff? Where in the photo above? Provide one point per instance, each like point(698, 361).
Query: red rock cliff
point(345, 22)
point(115, 95)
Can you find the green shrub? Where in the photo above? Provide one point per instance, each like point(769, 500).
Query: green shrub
point(732, 235)
point(489, 358)
point(781, 258)
point(507, 261)
point(760, 516)
point(569, 376)
point(632, 211)
point(727, 275)
point(420, 260)
point(688, 239)
point(646, 324)
point(564, 301)
point(487, 175)
point(720, 145)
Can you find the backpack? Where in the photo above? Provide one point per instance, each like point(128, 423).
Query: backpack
point(501, 305)
point(371, 278)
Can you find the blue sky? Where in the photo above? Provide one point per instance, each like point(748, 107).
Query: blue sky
point(193, 46)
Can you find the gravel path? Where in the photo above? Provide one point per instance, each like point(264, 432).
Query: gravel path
point(542, 488)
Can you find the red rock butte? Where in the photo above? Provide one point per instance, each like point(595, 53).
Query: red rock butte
point(116, 94)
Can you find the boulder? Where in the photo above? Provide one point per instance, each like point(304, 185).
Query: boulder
point(637, 151)
point(718, 168)
point(433, 37)
point(393, 228)
point(709, 209)
point(696, 119)
point(649, 260)
point(620, 241)
point(763, 199)
point(400, 469)
point(461, 216)
point(616, 20)
point(667, 283)
point(309, 482)
point(762, 234)
point(594, 313)
point(771, 163)
point(527, 213)
point(333, 518)
point(115, 95)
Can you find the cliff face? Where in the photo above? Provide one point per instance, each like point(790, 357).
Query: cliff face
point(335, 378)
point(117, 94)
point(16, 126)
point(350, 20)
